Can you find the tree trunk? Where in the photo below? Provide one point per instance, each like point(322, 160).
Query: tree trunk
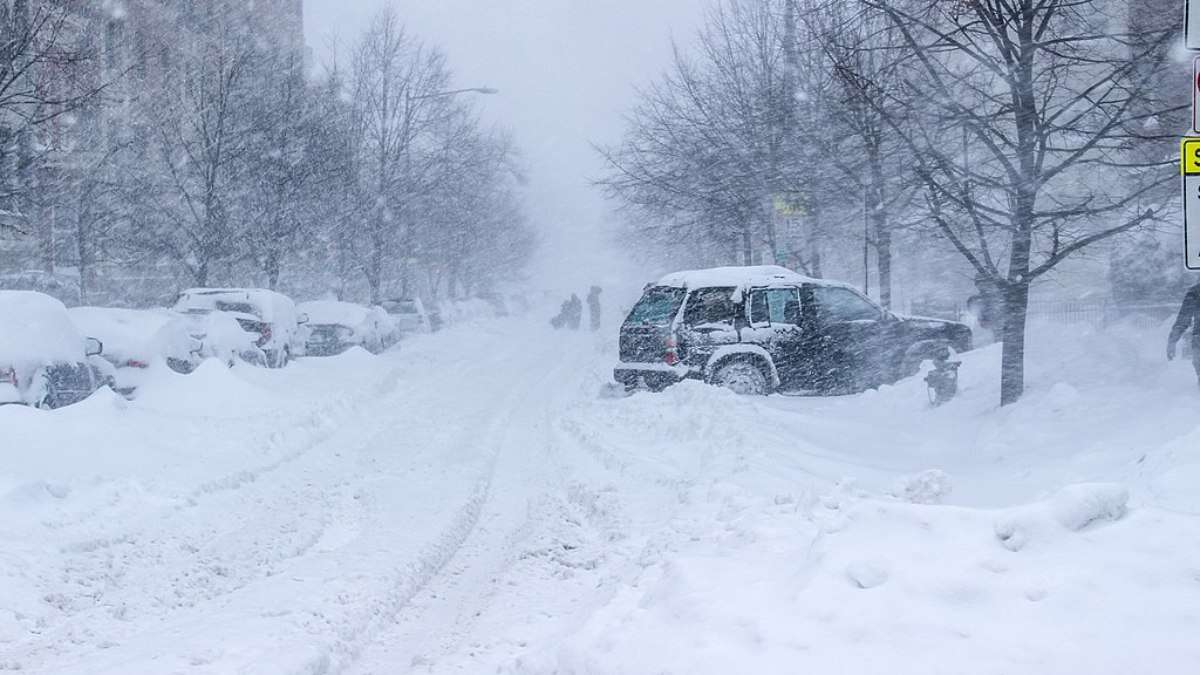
point(1012, 364)
point(883, 262)
point(881, 226)
point(273, 269)
point(85, 260)
point(813, 239)
point(747, 248)
point(374, 268)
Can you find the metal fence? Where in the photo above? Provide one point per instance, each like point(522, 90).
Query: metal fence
point(1103, 313)
point(1095, 313)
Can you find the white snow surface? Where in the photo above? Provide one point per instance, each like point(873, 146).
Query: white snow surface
point(425, 512)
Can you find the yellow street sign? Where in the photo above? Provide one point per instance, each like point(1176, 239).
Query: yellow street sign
point(790, 206)
point(1189, 166)
point(1189, 157)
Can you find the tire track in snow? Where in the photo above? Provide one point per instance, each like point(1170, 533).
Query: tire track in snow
point(115, 576)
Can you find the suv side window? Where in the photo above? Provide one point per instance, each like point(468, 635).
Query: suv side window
point(710, 305)
point(838, 305)
point(775, 306)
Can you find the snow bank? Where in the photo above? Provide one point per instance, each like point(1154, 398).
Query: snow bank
point(810, 534)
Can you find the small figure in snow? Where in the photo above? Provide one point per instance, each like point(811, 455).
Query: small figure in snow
point(574, 312)
point(569, 315)
point(593, 301)
point(1189, 317)
point(560, 319)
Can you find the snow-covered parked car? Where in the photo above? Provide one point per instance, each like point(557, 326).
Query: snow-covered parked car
point(410, 314)
point(333, 327)
point(222, 337)
point(271, 316)
point(44, 360)
point(758, 329)
point(137, 339)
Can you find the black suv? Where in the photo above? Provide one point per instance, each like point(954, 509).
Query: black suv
point(760, 329)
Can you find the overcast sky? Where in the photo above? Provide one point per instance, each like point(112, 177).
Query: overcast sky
point(566, 70)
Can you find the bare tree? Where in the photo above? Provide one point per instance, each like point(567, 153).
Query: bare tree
point(200, 128)
point(48, 69)
point(395, 81)
point(284, 165)
point(707, 148)
point(1051, 95)
point(855, 48)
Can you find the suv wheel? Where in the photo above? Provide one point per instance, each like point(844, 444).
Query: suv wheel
point(742, 377)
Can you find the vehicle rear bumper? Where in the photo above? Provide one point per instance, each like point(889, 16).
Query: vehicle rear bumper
point(655, 375)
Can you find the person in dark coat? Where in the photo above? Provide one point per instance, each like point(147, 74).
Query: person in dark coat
point(593, 301)
point(1189, 317)
point(563, 316)
point(574, 312)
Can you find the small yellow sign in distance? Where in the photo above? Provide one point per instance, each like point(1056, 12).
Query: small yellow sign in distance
point(1189, 157)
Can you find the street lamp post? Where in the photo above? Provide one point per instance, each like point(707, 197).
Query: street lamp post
point(407, 132)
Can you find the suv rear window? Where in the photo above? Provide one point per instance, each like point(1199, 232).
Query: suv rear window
point(240, 307)
point(710, 305)
point(657, 306)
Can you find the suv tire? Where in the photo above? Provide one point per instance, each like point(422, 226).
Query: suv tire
point(743, 377)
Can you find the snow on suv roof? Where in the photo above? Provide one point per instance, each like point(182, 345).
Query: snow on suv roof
point(266, 305)
point(740, 277)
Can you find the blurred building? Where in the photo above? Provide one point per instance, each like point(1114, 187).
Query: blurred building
point(126, 50)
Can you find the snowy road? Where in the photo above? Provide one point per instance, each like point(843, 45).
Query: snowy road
point(471, 504)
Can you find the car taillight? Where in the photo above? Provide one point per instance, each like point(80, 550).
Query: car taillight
point(134, 363)
point(266, 335)
point(672, 355)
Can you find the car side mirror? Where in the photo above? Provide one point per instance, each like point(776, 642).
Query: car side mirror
point(93, 347)
point(302, 319)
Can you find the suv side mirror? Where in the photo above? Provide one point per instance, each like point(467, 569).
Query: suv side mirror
point(93, 347)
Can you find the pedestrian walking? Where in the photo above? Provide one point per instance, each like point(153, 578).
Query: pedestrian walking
point(593, 301)
point(561, 319)
point(1189, 318)
point(574, 312)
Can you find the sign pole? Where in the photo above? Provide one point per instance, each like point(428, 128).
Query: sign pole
point(1189, 147)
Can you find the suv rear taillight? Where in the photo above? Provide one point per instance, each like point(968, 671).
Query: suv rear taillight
point(134, 363)
point(266, 334)
point(672, 355)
